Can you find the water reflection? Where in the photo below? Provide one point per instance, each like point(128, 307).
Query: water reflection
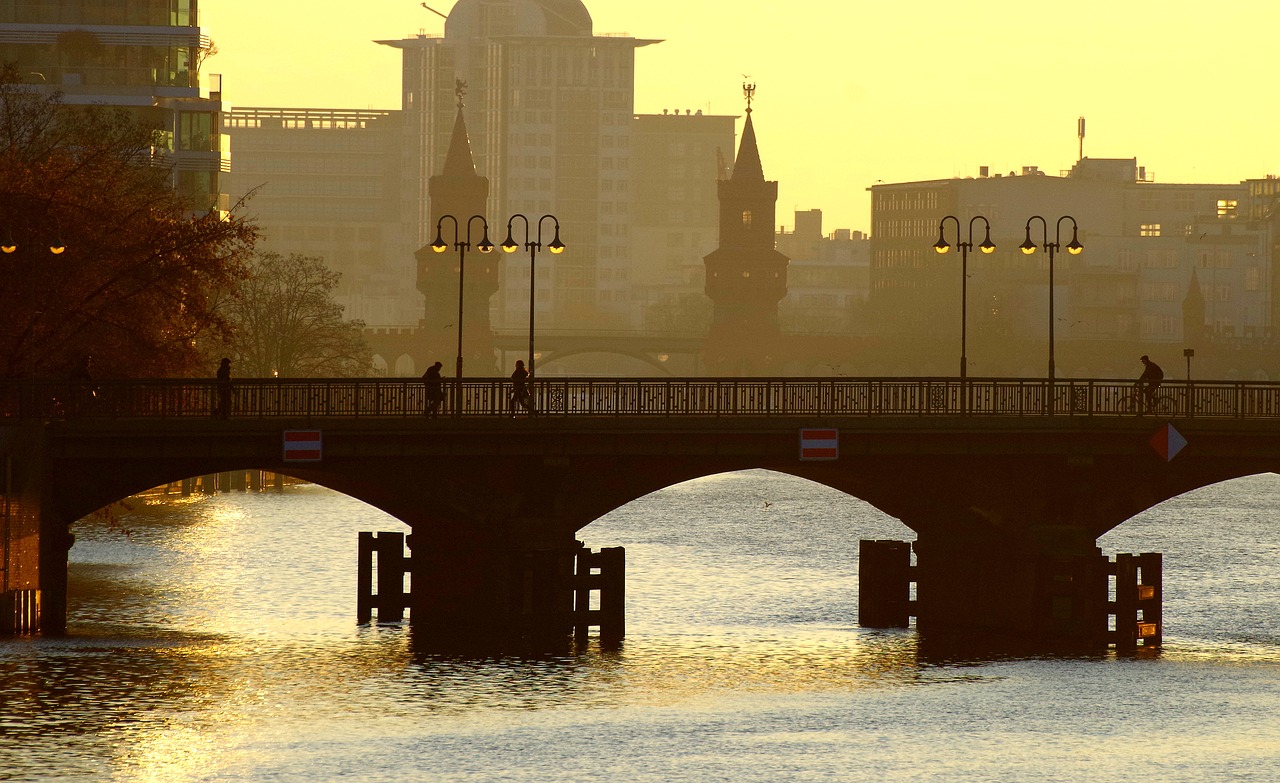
point(664, 671)
point(215, 638)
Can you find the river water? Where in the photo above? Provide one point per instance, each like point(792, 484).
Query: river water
point(213, 639)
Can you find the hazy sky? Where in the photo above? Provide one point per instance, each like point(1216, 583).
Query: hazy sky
point(851, 92)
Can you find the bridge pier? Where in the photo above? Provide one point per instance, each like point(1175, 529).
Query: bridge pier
point(1045, 590)
point(490, 593)
point(34, 539)
point(532, 589)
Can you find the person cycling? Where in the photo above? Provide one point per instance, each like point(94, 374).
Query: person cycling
point(1150, 380)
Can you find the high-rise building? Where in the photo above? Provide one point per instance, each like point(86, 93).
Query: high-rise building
point(549, 111)
point(143, 57)
point(677, 160)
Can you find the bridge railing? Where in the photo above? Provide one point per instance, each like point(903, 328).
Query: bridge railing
point(556, 397)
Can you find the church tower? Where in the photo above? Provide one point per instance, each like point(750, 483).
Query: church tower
point(1193, 312)
point(461, 193)
point(746, 276)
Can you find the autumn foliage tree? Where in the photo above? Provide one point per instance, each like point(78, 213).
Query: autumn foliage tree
point(101, 256)
point(284, 321)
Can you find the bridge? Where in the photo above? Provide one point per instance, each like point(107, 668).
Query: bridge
point(1007, 482)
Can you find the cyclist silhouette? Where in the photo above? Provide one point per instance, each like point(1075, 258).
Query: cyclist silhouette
point(1150, 380)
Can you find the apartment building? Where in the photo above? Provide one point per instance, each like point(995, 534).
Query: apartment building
point(326, 183)
point(1148, 247)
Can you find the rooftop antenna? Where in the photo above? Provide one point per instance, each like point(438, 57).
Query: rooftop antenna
point(1080, 133)
point(434, 11)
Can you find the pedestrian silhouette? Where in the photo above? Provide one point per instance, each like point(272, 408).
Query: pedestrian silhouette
point(520, 388)
point(435, 389)
point(1150, 380)
point(223, 410)
point(84, 389)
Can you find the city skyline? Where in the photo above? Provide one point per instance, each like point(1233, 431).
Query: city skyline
point(929, 93)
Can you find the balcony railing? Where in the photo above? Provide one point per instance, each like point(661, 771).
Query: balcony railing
point(652, 397)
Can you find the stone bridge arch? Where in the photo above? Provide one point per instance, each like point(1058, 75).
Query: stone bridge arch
point(995, 502)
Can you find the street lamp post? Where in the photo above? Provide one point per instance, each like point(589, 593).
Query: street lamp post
point(509, 246)
point(1191, 392)
point(461, 245)
point(942, 246)
point(1073, 247)
point(8, 246)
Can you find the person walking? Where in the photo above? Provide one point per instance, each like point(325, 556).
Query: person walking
point(435, 389)
point(520, 388)
point(223, 410)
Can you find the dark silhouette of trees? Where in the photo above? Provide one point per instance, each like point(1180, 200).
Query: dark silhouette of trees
point(284, 322)
point(101, 255)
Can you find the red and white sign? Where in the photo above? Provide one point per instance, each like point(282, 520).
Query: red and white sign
point(302, 445)
point(819, 444)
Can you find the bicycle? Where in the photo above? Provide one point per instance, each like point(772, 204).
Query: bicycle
point(1135, 402)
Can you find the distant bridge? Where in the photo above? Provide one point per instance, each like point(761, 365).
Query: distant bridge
point(656, 349)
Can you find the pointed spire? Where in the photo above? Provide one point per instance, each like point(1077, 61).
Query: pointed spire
point(458, 161)
point(747, 165)
point(1194, 296)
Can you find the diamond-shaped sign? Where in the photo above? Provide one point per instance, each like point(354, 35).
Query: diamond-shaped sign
point(1167, 442)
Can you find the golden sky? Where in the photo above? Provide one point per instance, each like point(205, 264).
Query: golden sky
point(850, 92)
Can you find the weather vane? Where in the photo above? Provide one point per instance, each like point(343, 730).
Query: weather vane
point(460, 90)
point(749, 91)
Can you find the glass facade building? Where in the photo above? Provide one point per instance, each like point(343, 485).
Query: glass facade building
point(144, 56)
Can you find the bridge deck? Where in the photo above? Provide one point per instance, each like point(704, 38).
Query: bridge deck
point(653, 397)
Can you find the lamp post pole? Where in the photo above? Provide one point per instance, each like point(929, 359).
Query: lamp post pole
point(461, 245)
point(942, 246)
point(509, 245)
point(10, 246)
point(1073, 247)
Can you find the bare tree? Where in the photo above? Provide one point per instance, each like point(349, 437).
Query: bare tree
point(208, 48)
point(285, 322)
point(100, 254)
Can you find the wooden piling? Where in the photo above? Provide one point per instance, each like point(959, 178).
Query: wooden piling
point(20, 612)
point(390, 600)
point(603, 572)
point(364, 577)
point(384, 553)
point(1137, 608)
point(885, 575)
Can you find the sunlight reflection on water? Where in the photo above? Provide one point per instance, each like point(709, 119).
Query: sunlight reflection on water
point(214, 639)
